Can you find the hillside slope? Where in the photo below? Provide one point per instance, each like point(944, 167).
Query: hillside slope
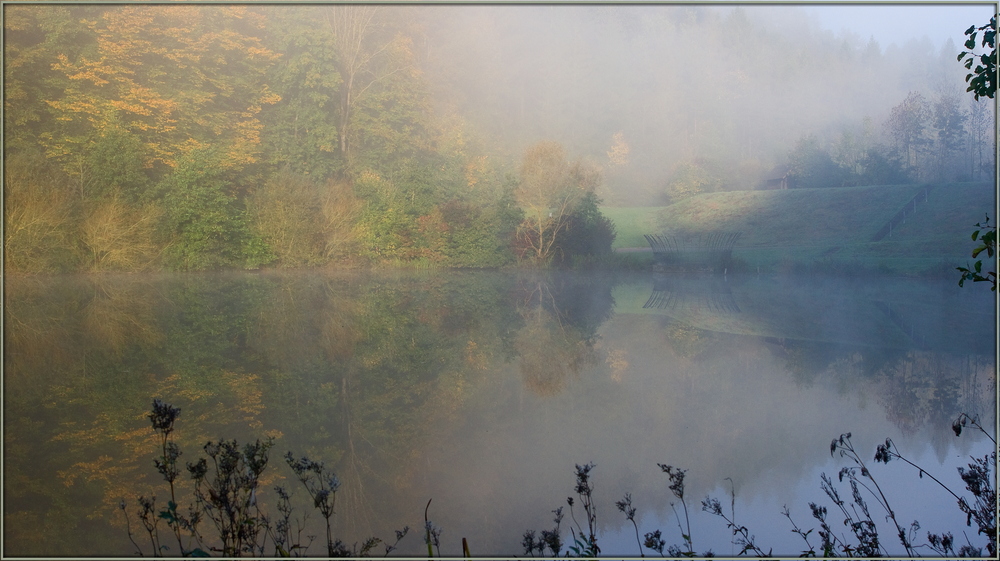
point(832, 228)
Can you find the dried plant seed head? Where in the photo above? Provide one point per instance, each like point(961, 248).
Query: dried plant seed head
point(163, 416)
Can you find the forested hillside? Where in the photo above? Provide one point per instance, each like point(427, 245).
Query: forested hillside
point(193, 137)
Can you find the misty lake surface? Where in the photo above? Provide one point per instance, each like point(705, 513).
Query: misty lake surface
point(482, 390)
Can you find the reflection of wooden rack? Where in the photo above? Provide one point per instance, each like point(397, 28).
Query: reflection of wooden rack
point(721, 302)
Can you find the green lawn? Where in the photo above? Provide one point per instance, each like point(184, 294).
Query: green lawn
point(825, 227)
point(632, 222)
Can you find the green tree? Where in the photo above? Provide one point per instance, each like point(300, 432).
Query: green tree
point(363, 44)
point(205, 223)
point(300, 131)
point(867, 162)
point(877, 166)
point(589, 234)
point(113, 165)
point(385, 229)
point(812, 167)
point(948, 125)
point(906, 126)
point(390, 123)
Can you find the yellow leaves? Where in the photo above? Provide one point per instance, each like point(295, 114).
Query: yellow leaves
point(475, 170)
point(370, 176)
point(143, 101)
point(83, 106)
point(619, 152)
point(131, 107)
point(92, 470)
point(269, 98)
point(83, 70)
point(261, 53)
point(248, 396)
point(179, 76)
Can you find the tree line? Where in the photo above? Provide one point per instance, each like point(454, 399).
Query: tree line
point(944, 138)
point(206, 137)
point(202, 137)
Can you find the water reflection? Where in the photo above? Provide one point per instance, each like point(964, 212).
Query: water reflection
point(477, 389)
point(674, 294)
point(898, 314)
point(560, 314)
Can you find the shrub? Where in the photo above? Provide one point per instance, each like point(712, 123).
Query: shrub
point(205, 225)
point(588, 235)
point(286, 213)
point(40, 214)
point(118, 236)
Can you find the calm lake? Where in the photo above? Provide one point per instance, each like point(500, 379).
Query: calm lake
point(482, 390)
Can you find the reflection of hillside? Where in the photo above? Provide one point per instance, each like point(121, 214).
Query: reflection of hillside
point(910, 315)
point(477, 390)
point(722, 405)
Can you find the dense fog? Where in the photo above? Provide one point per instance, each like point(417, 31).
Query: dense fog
point(737, 85)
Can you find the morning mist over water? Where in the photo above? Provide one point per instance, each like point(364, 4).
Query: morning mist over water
point(457, 263)
point(481, 390)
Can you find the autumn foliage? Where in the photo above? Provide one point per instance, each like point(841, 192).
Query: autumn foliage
point(191, 137)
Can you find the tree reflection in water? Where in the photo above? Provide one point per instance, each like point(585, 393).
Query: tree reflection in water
point(459, 386)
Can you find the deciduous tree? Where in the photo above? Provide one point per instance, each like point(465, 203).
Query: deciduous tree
point(179, 77)
point(549, 190)
point(948, 123)
point(812, 166)
point(362, 43)
point(301, 130)
point(906, 127)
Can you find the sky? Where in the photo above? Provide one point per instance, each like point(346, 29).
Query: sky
point(898, 24)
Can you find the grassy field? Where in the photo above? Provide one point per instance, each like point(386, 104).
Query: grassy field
point(632, 222)
point(827, 229)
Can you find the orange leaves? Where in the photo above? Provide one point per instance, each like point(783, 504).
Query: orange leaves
point(177, 76)
point(268, 97)
point(83, 70)
point(143, 101)
point(248, 392)
point(97, 469)
point(70, 106)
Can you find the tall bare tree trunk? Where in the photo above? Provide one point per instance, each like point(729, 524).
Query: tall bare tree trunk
point(352, 27)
